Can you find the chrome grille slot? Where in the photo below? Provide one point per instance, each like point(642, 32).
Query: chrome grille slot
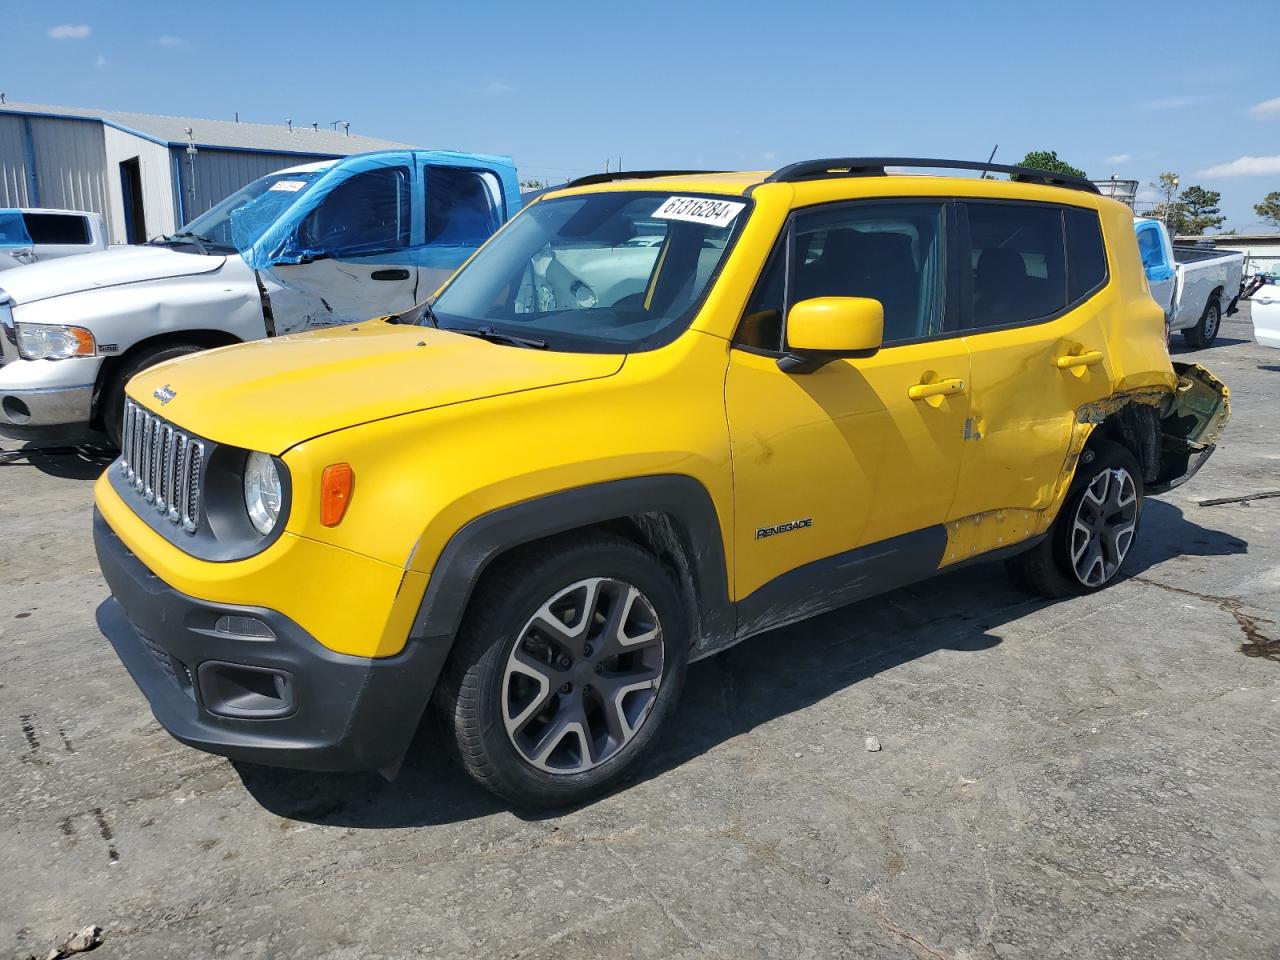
point(162, 464)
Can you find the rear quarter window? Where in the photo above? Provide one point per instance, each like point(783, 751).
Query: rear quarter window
point(1086, 254)
point(57, 228)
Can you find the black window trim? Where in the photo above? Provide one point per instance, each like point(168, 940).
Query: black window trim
point(966, 256)
point(951, 299)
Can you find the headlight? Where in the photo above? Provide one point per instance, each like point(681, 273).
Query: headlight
point(51, 341)
point(262, 492)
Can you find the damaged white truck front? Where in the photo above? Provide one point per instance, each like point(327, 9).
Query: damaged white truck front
point(312, 246)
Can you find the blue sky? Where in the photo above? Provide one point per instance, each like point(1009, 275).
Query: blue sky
point(1132, 89)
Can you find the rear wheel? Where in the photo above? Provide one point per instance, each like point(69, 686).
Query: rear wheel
point(567, 665)
point(1206, 329)
point(1091, 538)
point(112, 402)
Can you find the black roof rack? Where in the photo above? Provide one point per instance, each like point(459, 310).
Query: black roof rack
point(594, 178)
point(875, 167)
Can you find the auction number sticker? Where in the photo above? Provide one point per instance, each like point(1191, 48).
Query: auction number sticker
point(713, 213)
point(289, 186)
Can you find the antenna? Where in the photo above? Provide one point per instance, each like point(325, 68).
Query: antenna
point(237, 116)
point(983, 175)
point(290, 123)
point(346, 127)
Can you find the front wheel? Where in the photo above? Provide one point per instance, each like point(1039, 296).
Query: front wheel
point(1206, 329)
point(570, 659)
point(1094, 532)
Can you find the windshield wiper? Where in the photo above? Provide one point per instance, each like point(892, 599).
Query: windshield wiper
point(201, 243)
point(496, 336)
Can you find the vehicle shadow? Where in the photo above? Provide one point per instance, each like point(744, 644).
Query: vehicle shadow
point(1178, 346)
point(78, 462)
point(725, 696)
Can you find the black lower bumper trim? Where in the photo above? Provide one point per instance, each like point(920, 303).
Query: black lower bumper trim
point(346, 713)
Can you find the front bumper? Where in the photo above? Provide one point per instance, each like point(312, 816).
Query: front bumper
point(287, 701)
point(53, 413)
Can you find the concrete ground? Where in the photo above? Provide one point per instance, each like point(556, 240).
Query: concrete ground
point(1092, 778)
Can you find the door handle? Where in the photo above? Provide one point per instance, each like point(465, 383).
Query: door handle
point(1090, 358)
point(939, 388)
point(389, 275)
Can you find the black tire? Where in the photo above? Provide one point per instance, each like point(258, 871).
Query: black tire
point(111, 403)
point(474, 697)
point(1050, 568)
point(1207, 327)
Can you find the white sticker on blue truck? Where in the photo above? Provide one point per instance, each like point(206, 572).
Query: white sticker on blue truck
point(289, 186)
point(712, 213)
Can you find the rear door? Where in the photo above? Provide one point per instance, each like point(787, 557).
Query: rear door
point(464, 207)
point(1035, 294)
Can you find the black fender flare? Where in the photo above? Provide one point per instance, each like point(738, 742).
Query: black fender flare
point(685, 500)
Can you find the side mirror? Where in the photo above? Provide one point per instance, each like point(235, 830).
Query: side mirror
point(827, 328)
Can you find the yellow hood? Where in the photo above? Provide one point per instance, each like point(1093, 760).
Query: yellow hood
point(272, 394)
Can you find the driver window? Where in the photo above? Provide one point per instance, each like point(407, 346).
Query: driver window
point(368, 213)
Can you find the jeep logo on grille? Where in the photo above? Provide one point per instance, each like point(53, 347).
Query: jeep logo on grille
point(165, 394)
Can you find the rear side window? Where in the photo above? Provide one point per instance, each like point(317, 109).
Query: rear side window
point(57, 228)
point(1018, 262)
point(1086, 256)
point(464, 207)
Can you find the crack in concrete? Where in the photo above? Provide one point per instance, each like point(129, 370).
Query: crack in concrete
point(1256, 643)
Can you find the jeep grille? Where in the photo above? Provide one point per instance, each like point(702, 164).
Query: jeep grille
point(162, 465)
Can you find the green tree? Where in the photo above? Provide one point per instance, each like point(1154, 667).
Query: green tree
point(1269, 208)
point(1200, 209)
point(1169, 209)
point(527, 185)
point(1048, 160)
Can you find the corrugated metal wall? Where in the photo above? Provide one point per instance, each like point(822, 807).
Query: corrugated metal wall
point(158, 210)
point(69, 163)
point(219, 173)
point(13, 163)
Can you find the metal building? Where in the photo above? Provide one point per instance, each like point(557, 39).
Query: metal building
point(147, 174)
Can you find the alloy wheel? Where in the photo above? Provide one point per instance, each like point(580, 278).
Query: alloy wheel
point(1104, 525)
point(583, 675)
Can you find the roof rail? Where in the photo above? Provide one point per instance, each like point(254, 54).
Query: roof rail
point(875, 167)
point(594, 178)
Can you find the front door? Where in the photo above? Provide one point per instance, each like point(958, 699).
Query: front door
point(357, 257)
point(843, 477)
point(1038, 289)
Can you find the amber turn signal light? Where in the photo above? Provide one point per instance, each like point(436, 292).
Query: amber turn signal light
point(336, 484)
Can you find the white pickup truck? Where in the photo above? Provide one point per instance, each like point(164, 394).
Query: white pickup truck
point(312, 246)
point(1197, 286)
point(29, 234)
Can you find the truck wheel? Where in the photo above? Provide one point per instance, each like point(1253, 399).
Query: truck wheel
point(1206, 329)
point(569, 661)
point(1092, 535)
point(111, 403)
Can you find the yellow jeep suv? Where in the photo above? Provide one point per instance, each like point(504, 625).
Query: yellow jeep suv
point(655, 415)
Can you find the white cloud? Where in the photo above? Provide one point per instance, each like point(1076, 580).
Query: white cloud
point(1119, 158)
point(768, 156)
point(1267, 108)
point(100, 62)
point(169, 41)
point(497, 88)
point(1244, 167)
point(71, 31)
point(1172, 103)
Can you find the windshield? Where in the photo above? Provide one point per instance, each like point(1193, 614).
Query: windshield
point(603, 272)
point(269, 196)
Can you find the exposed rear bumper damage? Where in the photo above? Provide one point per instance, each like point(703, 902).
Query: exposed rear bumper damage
point(1192, 420)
